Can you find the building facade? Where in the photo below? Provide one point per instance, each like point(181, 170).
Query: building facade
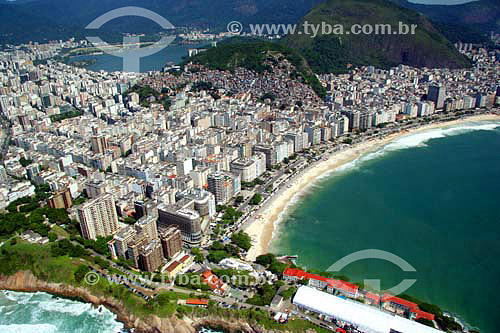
point(98, 217)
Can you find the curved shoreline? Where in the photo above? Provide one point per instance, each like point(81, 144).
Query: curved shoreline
point(262, 225)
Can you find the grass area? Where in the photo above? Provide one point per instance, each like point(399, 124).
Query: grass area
point(60, 231)
point(66, 115)
point(288, 293)
point(261, 318)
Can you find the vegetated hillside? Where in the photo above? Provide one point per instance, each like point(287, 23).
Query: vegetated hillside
point(334, 53)
point(17, 26)
point(460, 33)
point(251, 54)
point(481, 15)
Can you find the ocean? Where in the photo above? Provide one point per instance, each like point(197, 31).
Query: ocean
point(431, 198)
point(43, 313)
point(155, 62)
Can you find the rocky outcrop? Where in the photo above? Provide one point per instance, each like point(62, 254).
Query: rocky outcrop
point(227, 326)
point(26, 281)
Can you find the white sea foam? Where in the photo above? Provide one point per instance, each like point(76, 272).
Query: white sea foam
point(65, 313)
point(20, 298)
point(24, 328)
point(419, 139)
point(416, 140)
point(66, 306)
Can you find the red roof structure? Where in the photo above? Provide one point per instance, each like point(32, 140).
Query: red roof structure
point(337, 284)
point(413, 307)
point(343, 285)
point(213, 282)
point(400, 301)
point(425, 315)
point(193, 301)
point(374, 297)
point(173, 266)
point(295, 272)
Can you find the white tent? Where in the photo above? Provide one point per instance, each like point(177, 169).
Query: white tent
point(367, 318)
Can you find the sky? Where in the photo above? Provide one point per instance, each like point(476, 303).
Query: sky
point(440, 2)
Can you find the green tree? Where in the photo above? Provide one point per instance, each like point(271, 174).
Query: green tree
point(80, 273)
point(52, 236)
point(25, 162)
point(242, 240)
point(239, 199)
point(425, 322)
point(265, 259)
point(256, 199)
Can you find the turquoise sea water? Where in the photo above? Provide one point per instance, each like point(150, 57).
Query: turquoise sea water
point(433, 199)
point(172, 53)
point(43, 313)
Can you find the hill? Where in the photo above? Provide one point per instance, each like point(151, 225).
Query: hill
point(251, 54)
point(334, 53)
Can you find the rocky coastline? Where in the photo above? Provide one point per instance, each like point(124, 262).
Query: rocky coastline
point(25, 281)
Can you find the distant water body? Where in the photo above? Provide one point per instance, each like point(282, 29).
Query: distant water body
point(172, 53)
point(43, 313)
point(431, 198)
point(441, 2)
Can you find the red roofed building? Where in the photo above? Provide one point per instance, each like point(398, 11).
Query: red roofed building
point(217, 286)
point(197, 302)
point(399, 303)
point(318, 281)
point(408, 307)
point(422, 314)
point(372, 298)
point(293, 274)
point(349, 289)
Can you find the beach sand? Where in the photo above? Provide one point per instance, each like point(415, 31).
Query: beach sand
point(261, 225)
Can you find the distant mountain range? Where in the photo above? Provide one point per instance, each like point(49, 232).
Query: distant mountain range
point(24, 20)
point(17, 20)
point(482, 15)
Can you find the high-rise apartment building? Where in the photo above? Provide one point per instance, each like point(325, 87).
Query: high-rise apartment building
point(98, 217)
point(61, 199)
point(119, 244)
point(437, 94)
point(171, 241)
point(147, 226)
point(203, 201)
point(151, 256)
point(99, 144)
point(220, 186)
point(246, 168)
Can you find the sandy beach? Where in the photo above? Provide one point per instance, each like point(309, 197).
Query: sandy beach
point(261, 225)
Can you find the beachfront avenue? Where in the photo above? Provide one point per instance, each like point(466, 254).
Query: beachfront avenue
point(164, 188)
